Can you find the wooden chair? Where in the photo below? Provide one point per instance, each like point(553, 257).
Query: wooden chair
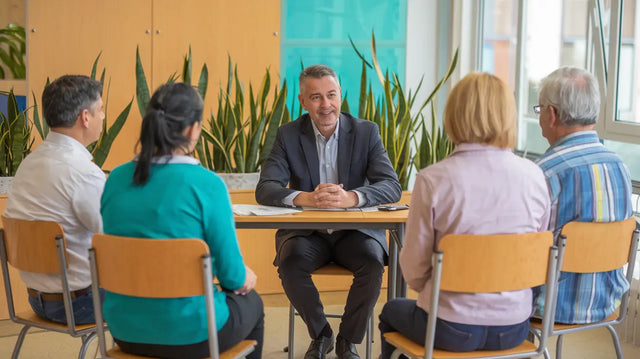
point(485, 264)
point(156, 269)
point(330, 269)
point(589, 247)
point(39, 247)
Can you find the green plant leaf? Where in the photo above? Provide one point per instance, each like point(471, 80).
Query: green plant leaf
point(95, 66)
point(355, 48)
point(102, 149)
point(203, 81)
point(41, 126)
point(374, 56)
point(363, 90)
point(278, 116)
point(142, 89)
point(186, 68)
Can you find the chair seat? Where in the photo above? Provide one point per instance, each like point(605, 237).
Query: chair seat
point(413, 349)
point(332, 269)
point(239, 350)
point(560, 326)
point(30, 316)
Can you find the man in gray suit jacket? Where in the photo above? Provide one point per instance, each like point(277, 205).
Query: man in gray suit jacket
point(329, 159)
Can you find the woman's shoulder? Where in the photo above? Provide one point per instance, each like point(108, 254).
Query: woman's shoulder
point(526, 165)
point(198, 173)
point(124, 169)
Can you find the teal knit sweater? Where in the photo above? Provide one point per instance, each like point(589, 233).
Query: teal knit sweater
point(180, 200)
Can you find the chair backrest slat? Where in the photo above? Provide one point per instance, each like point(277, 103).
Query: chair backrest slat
point(597, 246)
point(478, 264)
point(31, 245)
point(152, 268)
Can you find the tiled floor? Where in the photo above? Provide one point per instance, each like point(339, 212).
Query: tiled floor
point(595, 344)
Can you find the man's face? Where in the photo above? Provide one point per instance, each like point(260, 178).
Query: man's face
point(96, 117)
point(321, 98)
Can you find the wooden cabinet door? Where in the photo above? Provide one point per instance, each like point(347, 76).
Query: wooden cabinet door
point(246, 30)
point(65, 36)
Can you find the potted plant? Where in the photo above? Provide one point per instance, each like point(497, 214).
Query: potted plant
point(400, 122)
point(239, 138)
point(15, 140)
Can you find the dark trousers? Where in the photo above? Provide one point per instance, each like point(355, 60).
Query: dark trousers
point(54, 310)
point(357, 252)
point(246, 321)
point(404, 316)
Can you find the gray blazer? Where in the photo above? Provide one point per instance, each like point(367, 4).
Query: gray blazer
point(363, 165)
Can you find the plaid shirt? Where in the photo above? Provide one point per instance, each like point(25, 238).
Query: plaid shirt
point(587, 183)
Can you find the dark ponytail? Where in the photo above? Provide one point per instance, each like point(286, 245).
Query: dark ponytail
point(172, 108)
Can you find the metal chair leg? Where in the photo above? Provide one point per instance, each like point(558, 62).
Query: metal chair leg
point(292, 324)
point(559, 346)
point(616, 341)
point(18, 346)
point(369, 335)
point(86, 341)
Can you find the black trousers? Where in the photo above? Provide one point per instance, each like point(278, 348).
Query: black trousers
point(353, 250)
point(246, 321)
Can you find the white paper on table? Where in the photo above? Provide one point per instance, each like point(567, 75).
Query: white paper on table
point(259, 210)
point(350, 209)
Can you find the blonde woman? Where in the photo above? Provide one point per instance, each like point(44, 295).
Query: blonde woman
point(481, 188)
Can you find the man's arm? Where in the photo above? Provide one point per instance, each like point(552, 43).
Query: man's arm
point(274, 175)
point(86, 201)
point(383, 186)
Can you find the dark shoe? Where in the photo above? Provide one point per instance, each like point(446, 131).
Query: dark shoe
point(319, 348)
point(345, 349)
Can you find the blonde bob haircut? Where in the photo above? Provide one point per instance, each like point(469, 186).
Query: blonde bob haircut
point(481, 109)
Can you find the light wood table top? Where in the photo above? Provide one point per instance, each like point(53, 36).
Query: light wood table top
point(393, 221)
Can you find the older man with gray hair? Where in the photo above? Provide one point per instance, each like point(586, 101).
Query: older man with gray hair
point(587, 183)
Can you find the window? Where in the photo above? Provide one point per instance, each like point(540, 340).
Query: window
point(316, 32)
point(562, 33)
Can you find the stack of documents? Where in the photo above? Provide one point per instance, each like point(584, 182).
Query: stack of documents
point(258, 210)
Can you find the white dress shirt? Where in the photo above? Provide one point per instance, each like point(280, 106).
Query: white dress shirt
point(59, 182)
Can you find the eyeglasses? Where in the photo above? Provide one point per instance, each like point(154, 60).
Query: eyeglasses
point(536, 109)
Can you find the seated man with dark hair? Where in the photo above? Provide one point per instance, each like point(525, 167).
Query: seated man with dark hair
point(58, 182)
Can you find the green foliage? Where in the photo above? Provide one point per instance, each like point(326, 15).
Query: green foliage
point(142, 89)
point(100, 149)
point(41, 126)
point(239, 138)
point(400, 118)
point(13, 48)
point(15, 136)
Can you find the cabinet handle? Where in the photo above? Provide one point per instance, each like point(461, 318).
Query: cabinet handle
point(147, 31)
point(33, 29)
point(157, 31)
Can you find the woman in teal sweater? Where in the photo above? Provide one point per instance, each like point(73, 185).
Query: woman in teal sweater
point(164, 193)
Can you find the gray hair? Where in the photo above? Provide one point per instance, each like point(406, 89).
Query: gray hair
point(65, 98)
point(316, 72)
point(574, 93)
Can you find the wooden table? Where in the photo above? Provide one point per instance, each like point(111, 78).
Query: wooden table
point(393, 221)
